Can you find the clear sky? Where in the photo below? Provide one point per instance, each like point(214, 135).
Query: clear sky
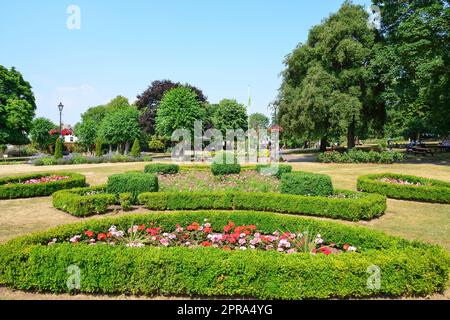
point(220, 46)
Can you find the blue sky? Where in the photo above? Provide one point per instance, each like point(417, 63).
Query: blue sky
point(220, 46)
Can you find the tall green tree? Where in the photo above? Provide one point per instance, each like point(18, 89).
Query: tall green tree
point(148, 102)
point(179, 109)
point(87, 130)
point(17, 107)
point(40, 133)
point(120, 127)
point(229, 114)
point(339, 50)
point(258, 120)
point(414, 62)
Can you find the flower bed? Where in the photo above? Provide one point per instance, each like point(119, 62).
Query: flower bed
point(231, 237)
point(406, 187)
point(407, 268)
point(39, 184)
point(44, 179)
point(344, 204)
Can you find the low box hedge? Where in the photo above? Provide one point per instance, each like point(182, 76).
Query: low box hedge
point(407, 268)
point(220, 169)
point(135, 183)
point(12, 188)
point(82, 202)
point(275, 170)
point(162, 168)
point(306, 184)
point(430, 190)
point(354, 206)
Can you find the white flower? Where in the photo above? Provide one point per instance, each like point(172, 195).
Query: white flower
point(243, 248)
point(351, 249)
point(75, 239)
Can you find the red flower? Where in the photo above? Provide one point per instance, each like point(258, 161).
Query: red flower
point(231, 223)
point(252, 227)
point(89, 233)
point(232, 239)
point(227, 228)
point(226, 248)
point(207, 230)
point(141, 227)
point(206, 244)
point(101, 236)
point(153, 231)
point(193, 227)
point(346, 246)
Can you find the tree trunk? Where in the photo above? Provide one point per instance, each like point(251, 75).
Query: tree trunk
point(323, 144)
point(351, 135)
point(110, 148)
point(127, 147)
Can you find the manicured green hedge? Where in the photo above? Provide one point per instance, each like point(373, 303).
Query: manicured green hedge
point(430, 191)
point(11, 188)
point(306, 184)
point(357, 206)
point(162, 168)
point(220, 169)
point(135, 183)
point(407, 268)
point(276, 171)
point(360, 156)
point(82, 202)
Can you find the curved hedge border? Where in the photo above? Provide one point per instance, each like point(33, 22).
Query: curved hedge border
point(431, 191)
point(363, 207)
point(78, 202)
point(11, 188)
point(407, 268)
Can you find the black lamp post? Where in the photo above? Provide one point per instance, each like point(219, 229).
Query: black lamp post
point(60, 107)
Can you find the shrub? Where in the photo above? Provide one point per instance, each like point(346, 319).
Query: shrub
point(349, 205)
point(134, 183)
point(220, 169)
point(360, 156)
point(125, 200)
point(58, 149)
point(79, 160)
point(147, 159)
point(162, 168)
point(136, 149)
point(12, 188)
point(156, 144)
point(50, 161)
point(409, 268)
point(274, 171)
point(429, 190)
point(306, 184)
point(82, 202)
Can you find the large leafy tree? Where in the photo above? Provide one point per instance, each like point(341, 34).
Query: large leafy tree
point(148, 102)
point(17, 107)
point(40, 133)
point(258, 121)
point(414, 62)
point(121, 127)
point(229, 114)
point(87, 130)
point(328, 86)
point(179, 109)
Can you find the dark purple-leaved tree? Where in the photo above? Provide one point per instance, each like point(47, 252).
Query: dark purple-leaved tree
point(148, 101)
